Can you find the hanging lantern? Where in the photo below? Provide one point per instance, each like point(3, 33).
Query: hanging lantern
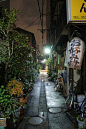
point(75, 53)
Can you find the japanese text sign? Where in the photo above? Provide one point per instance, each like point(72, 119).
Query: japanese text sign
point(76, 10)
point(74, 53)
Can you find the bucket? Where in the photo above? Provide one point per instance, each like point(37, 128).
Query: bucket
point(80, 98)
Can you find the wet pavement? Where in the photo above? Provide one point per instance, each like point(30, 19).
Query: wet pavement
point(45, 107)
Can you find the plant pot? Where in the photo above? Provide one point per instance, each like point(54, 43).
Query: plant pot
point(16, 116)
point(17, 113)
point(21, 113)
point(80, 98)
point(80, 123)
point(2, 123)
point(10, 123)
point(2, 127)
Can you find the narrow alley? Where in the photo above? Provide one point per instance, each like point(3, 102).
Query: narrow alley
point(42, 64)
point(45, 107)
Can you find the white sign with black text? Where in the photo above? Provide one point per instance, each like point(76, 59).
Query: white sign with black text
point(74, 53)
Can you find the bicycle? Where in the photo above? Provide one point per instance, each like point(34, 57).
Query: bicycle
point(73, 103)
point(82, 107)
point(72, 94)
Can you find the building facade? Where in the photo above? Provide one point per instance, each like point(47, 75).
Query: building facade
point(65, 20)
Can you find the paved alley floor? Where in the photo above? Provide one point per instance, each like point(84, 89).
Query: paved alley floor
point(45, 107)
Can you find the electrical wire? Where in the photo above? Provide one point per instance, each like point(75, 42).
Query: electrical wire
point(37, 28)
point(41, 16)
point(43, 2)
point(78, 27)
point(32, 22)
point(37, 17)
point(39, 9)
point(42, 21)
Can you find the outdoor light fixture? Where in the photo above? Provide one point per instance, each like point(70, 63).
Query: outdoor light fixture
point(43, 61)
point(47, 50)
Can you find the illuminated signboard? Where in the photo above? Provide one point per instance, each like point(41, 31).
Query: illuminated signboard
point(76, 10)
point(74, 53)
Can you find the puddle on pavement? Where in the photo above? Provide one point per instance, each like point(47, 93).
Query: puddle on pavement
point(55, 110)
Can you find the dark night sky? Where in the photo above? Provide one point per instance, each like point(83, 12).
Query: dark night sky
point(29, 11)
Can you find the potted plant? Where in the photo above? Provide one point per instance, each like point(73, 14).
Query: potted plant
point(15, 89)
point(4, 100)
point(81, 122)
point(7, 106)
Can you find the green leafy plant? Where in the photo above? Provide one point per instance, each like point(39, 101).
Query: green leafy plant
point(7, 103)
point(15, 51)
point(6, 47)
point(4, 101)
point(81, 118)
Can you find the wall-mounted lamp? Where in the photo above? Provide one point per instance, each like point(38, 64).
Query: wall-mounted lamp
point(47, 50)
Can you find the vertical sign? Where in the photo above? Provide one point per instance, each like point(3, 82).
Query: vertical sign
point(74, 53)
point(76, 10)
